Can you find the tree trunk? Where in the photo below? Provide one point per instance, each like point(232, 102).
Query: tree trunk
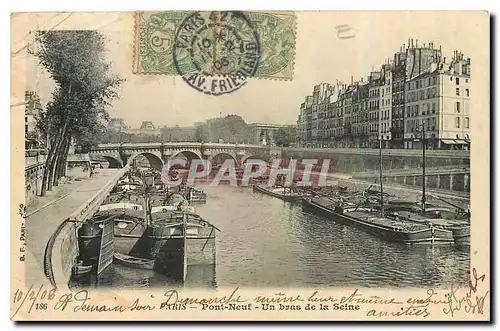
point(56, 155)
point(60, 159)
point(53, 162)
point(48, 162)
point(46, 172)
point(65, 159)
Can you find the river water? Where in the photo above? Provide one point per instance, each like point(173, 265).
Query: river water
point(265, 242)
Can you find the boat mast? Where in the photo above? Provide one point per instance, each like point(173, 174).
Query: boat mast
point(381, 189)
point(423, 168)
point(184, 253)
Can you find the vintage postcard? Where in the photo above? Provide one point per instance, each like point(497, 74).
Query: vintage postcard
point(250, 165)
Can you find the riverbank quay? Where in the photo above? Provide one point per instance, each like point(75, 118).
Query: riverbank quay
point(44, 222)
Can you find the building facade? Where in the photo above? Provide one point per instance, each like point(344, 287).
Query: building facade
point(416, 90)
point(438, 105)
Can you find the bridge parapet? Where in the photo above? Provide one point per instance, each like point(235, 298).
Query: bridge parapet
point(34, 160)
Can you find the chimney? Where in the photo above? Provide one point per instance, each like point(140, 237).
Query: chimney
point(409, 43)
point(361, 79)
point(440, 48)
point(416, 43)
point(351, 80)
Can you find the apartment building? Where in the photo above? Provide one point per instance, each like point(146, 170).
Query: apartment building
point(416, 90)
point(438, 105)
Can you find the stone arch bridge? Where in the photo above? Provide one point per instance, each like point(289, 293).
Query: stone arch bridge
point(157, 154)
point(349, 160)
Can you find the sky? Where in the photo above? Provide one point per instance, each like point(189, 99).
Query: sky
point(320, 56)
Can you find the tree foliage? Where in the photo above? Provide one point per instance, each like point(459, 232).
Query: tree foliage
point(285, 136)
point(85, 87)
point(230, 129)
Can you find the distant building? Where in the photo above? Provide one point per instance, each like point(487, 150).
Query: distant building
point(374, 108)
point(147, 129)
point(179, 133)
point(385, 109)
point(117, 124)
point(32, 105)
point(147, 126)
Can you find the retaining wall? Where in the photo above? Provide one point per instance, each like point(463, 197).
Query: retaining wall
point(62, 250)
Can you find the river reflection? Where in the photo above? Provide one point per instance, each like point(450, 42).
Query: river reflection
point(265, 242)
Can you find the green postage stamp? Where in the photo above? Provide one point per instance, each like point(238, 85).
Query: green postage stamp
point(217, 39)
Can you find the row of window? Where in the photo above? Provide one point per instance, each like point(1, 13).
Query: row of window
point(387, 90)
point(457, 92)
point(411, 110)
point(421, 95)
point(386, 128)
point(426, 109)
point(419, 83)
point(429, 124)
point(466, 122)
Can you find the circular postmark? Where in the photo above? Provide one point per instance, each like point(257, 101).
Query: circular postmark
point(216, 52)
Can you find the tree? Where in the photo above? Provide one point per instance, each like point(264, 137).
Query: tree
point(285, 136)
point(231, 129)
point(85, 86)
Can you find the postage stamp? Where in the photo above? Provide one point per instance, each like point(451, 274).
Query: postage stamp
point(216, 57)
point(198, 185)
point(220, 46)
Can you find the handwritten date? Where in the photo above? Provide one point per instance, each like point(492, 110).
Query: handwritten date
point(32, 297)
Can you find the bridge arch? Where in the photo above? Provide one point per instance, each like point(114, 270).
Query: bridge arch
point(189, 155)
point(154, 160)
point(247, 157)
point(217, 158)
point(113, 162)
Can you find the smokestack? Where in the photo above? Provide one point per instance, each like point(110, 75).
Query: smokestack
point(416, 43)
point(409, 43)
point(351, 80)
point(361, 79)
point(440, 48)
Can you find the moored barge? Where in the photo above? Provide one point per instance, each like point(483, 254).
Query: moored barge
point(370, 220)
point(283, 193)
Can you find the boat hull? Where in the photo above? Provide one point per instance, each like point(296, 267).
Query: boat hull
point(174, 253)
point(133, 262)
point(426, 236)
point(284, 197)
point(461, 234)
